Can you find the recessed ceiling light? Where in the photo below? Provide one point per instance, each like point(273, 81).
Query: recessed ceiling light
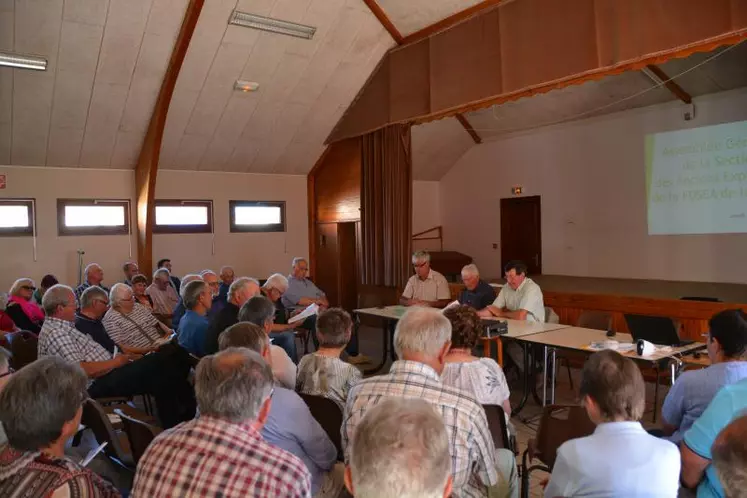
point(246, 86)
point(247, 20)
point(22, 61)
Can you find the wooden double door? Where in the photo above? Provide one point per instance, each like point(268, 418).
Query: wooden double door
point(337, 261)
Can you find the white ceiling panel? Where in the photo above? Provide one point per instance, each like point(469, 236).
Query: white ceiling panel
point(413, 15)
point(64, 146)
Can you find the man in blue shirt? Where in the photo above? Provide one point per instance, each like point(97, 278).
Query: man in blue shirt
point(729, 402)
point(193, 326)
point(694, 390)
point(227, 277)
point(478, 293)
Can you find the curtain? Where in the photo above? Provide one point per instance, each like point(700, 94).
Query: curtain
point(386, 206)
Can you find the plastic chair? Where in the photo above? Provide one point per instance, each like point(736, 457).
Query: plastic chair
point(95, 418)
point(23, 347)
point(139, 433)
point(559, 423)
point(329, 416)
point(498, 428)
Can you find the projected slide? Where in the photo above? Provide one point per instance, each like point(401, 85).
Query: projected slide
point(696, 180)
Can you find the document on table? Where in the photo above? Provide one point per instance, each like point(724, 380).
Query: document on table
point(310, 310)
point(450, 305)
point(613, 345)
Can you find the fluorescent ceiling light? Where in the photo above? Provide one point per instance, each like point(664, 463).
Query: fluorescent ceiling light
point(23, 61)
point(247, 20)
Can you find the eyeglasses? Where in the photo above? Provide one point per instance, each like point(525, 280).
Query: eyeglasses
point(11, 370)
point(28, 287)
point(416, 265)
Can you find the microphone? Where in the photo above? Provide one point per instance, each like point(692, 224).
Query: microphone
point(644, 348)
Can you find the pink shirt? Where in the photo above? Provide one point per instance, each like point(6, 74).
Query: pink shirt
point(30, 308)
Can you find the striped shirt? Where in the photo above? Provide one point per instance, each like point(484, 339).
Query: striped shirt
point(331, 378)
point(138, 329)
point(207, 457)
point(471, 445)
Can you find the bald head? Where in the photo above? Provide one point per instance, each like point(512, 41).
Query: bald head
point(729, 454)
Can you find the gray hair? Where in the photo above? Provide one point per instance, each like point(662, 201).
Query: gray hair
point(38, 400)
point(57, 295)
point(729, 456)
point(422, 330)
point(90, 267)
point(297, 260)
point(257, 310)
point(16, 287)
point(232, 385)
point(278, 282)
point(88, 296)
point(207, 272)
point(225, 268)
point(244, 335)
point(4, 360)
point(471, 269)
point(190, 277)
point(400, 448)
point(191, 293)
point(117, 293)
point(239, 284)
point(161, 271)
point(420, 256)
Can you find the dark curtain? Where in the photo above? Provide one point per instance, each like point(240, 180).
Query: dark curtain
point(386, 206)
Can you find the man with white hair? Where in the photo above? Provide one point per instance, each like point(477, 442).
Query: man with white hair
point(422, 340)
point(477, 294)
point(163, 294)
point(94, 275)
point(227, 276)
point(193, 326)
point(301, 291)
point(241, 290)
point(130, 323)
point(427, 287)
point(180, 309)
point(394, 434)
point(212, 281)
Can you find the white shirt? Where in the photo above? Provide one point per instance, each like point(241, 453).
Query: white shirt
point(620, 460)
point(527, 297)
point(283, 367)
point(433, 288)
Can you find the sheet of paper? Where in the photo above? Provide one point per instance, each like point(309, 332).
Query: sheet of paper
point(450, 305)
point(310, 310)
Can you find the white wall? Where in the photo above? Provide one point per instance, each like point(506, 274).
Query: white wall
point(426, 207)
point(591, 177)
point(255, 254)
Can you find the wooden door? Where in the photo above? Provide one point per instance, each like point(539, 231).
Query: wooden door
point(521, 232)
point(327, 259)
point(347, 266)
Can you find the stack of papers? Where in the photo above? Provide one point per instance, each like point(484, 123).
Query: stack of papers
point(310, 310)
point(452, 304)
point(613, 345)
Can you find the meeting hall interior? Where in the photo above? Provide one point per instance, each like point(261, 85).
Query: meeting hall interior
point(373, 248)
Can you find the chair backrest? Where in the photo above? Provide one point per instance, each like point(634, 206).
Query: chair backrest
point(559, 424)
point(23, 346)
point(551, 316)
point(329, 416)
point(497, 425)
point(139, 433)
point(95, 418)
point(599, 320)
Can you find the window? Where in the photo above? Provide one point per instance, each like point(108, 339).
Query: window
point(93, 217)
point(176, 216)
point(257, 216)
point(16, 217)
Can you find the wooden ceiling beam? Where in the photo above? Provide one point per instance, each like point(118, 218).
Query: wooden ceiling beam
point(384, 20)
point(670, 84)
point(467, 126)
point(449, 21)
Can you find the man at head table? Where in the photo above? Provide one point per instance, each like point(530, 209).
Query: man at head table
point(427, 287)
point(519, 299)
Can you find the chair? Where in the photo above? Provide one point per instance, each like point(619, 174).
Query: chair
point(329, 416)
point(139, 433)
point(498, 427)
point(551, 316)
point(23, 347)
point(558, 424)
point(95, 418)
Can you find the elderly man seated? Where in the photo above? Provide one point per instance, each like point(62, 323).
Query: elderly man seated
point(130, 323)
point(222, 453)
point(729, 452)
point(302, 292)
point(164, 296)
point(193, 326)
point(242, 289)
point(130, 269)
point(227, 276)
point(477, 294)
point(162, 374)
point(166, 263)
point(427, 287)
point(40, 409)
point(180, 309)
point(94, 275)
point(422, 340)
point(211, 279)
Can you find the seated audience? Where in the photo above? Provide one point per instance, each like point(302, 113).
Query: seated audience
point(194, 324)
point(427, 287)
point(290, 425)
point(164, 296)
point(694, 390)
point(730, 458)
point(697, 471)
point(477, 294)
point(47, 281)
point(481, 377)
point(242, 289)
point(620, 458)
point(166, 263)
point(162, 374)
point(422, 340)
point(130, 269)
point(94, 303)
point(394, 434)
point(40, 409)
point(260, 311)
point(94, 275)
point(222, 453)
point(301, 291)
point(323, 373)
point(6, 322)
point(227, 277)
point(131, 324)
point(22, 309)
point(6, 372)
point(211, 279)
point(180, 309)
point(139, 285)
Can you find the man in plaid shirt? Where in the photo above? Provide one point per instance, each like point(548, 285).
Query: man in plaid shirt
point(222, 453)
point(421, 340)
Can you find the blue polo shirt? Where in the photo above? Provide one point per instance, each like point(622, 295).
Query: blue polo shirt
point(192, 330)
point(481, 297)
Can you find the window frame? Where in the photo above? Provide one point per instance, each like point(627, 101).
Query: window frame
point(30, 207)
point(165, 229)
point(63, 230)
point(275, 227)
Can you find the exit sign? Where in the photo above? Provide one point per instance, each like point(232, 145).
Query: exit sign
point(3, 181)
